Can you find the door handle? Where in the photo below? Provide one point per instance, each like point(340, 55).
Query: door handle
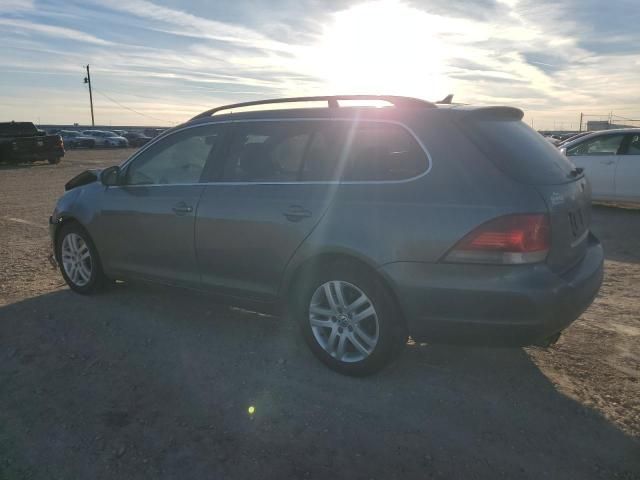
point(295, 213)
point(182, 208)
point(607, 162)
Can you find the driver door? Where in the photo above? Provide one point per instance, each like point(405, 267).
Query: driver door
point(147, 220)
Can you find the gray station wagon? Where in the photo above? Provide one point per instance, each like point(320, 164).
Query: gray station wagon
point(446, 223)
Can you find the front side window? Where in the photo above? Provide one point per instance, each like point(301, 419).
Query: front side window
point(382, 151)
point(602, 145)
point(177, 159)
point(634, 145)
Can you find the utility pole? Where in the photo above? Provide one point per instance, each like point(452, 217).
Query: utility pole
point(580, 128)
point(87, 79)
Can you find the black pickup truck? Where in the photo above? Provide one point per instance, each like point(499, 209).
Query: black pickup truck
point(23, 142)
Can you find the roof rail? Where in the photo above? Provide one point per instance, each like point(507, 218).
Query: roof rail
point(332, 102)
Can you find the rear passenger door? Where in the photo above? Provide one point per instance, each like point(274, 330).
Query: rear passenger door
point(599, 157)
point(628, 171)
point(272, 187)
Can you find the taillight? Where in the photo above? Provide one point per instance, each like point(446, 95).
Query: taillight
point(60, 142)
point(511, 239)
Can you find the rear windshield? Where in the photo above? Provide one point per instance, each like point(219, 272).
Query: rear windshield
point(11, 129)
point(519, 151)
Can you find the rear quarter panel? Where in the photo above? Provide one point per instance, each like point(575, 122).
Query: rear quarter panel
point(419, 220)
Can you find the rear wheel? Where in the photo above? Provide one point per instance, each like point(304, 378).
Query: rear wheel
point(349, 320)
point(78, 259)
point(54, 160)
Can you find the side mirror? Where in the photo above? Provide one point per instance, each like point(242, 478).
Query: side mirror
point(563, 151)
point(110, 176)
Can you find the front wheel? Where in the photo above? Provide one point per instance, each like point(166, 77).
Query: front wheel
point(78, 259)
point(349, 320)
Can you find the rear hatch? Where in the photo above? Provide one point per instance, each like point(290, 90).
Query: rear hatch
point(525, 156)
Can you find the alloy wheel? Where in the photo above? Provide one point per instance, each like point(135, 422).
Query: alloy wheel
point(344, 321)
point(76, 259)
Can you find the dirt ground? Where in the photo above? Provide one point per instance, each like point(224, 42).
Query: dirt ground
point(147, 382)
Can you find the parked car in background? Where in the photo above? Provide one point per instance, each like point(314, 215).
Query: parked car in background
point(570, 138)
point(444, 222)
point(106, 139)
point(73, 139)
point(611, 161)
point(153, 132)
point(136, 139)
point(23, 142)
point(120, 133)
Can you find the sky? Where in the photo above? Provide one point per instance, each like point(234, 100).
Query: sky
point(159, 62)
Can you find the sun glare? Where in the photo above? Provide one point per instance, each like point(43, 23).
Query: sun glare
point(381, 47)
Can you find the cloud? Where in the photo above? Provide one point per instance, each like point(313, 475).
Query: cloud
point(548, 58)
point(178, 22)
point(19, 26)
point(12, 6)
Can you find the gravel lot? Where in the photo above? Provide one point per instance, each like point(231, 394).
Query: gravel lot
point(147, 382)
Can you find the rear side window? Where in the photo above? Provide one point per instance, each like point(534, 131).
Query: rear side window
point(602, 145)
point(519, 151)
point(382, 151)
point(324, 152)
point(316, 151)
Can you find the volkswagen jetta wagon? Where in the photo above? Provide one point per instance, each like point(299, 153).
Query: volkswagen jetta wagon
point(446, 223)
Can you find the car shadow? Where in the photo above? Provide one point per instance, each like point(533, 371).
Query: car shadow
point(148, 381)
point(18, 166)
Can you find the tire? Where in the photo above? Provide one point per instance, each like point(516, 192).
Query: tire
point(87, 280)
point(54, 160)
point(384, 328)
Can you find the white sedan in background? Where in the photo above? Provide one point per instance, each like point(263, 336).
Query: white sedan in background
point(611, 162)
point(106, 139)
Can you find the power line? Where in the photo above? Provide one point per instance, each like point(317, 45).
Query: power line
point(155, 98)
point(131, 109)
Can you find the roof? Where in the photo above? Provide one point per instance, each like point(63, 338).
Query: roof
point(333, 102)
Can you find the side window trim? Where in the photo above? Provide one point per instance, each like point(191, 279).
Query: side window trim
point(126, 163)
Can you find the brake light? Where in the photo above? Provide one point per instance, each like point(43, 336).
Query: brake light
point(511, 239)
point(60, 142)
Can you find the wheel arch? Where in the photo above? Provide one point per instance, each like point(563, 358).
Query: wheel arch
point(63, 221)
point(295, 274)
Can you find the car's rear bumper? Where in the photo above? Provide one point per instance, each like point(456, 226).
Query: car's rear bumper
point(485, 304)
